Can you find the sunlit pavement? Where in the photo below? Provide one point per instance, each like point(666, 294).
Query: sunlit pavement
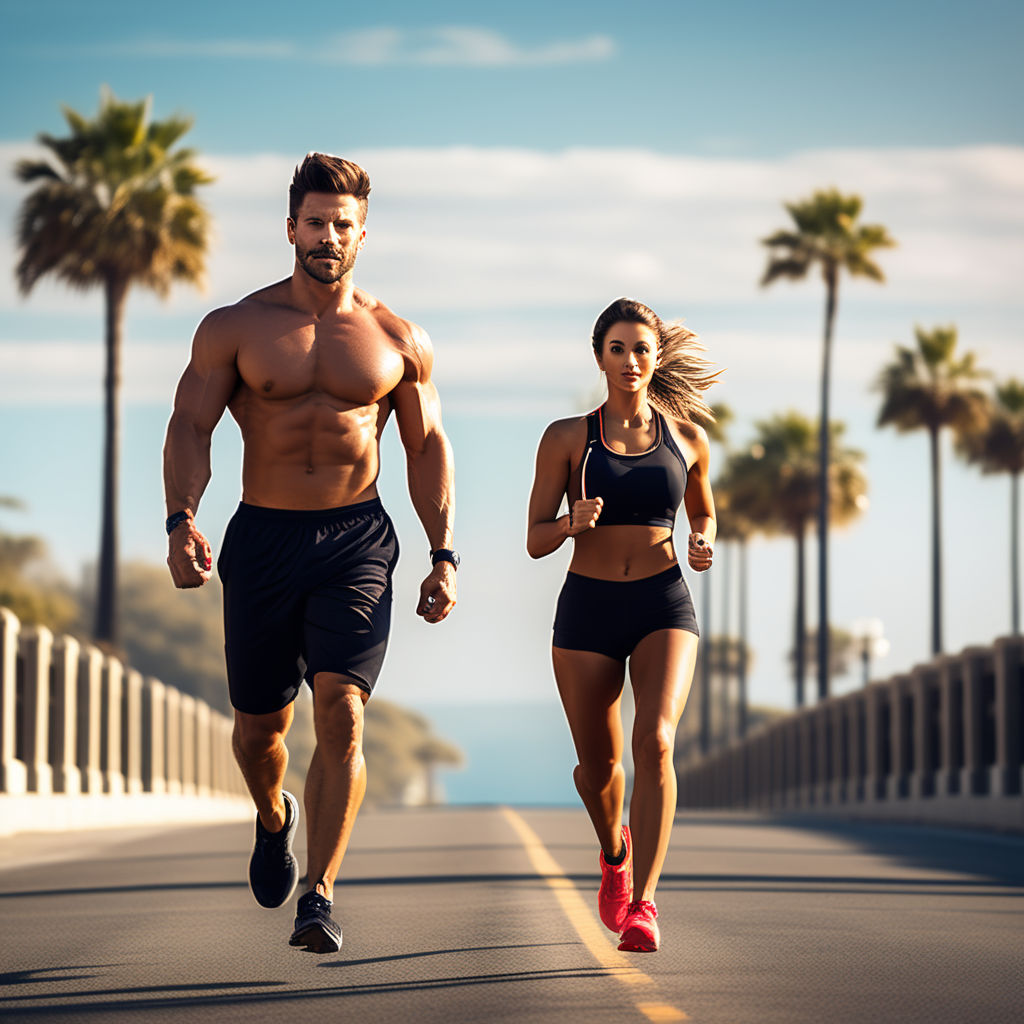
point(489, 914)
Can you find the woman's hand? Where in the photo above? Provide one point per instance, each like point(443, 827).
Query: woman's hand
point(584, 515)
point(699, 552)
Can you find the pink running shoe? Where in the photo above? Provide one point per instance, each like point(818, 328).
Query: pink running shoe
point(640, 931)
point(616, 886)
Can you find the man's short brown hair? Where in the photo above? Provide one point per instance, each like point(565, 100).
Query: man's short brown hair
point(321, 172)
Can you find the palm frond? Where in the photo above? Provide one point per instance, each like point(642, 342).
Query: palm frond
point(117, 202)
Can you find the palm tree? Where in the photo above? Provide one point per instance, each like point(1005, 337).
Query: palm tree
point(999, 448)
point(113, 205)
point(841, 648)
point(723, 415)
point(825, 234)
point(928, 388)
point(776, 482)
point(735, 528)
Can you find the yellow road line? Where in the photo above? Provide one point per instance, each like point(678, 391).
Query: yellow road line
point(590, 930)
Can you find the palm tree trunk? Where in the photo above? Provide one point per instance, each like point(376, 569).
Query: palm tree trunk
point(741, 672)
point(799, 620)
point(725, 668)
point(824, 462)
point(933, 433)
point(116, 292)
point(1015, 553)
point(705, 668)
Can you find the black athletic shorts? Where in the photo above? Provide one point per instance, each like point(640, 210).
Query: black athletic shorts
point(304, 592)
point(612, 616)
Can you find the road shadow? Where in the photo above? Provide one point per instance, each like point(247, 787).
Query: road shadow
point(444, 952)
point(184, 998)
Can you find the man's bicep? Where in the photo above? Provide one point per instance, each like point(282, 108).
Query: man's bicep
point(202, 397)
point(417, 413)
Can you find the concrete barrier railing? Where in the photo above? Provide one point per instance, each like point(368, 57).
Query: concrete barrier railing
point(86, 739)
point(940, 744)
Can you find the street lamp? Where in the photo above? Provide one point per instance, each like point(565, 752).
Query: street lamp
point(869, 637)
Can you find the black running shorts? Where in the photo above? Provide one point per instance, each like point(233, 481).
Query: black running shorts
point(304, 592)
point(612, 616)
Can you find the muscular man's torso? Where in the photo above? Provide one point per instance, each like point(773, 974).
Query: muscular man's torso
point(312, 397)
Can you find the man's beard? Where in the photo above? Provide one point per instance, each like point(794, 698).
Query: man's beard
point(327, 273)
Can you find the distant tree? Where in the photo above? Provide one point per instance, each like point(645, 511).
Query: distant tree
point(431, 753)
point(842, 648)
point(30, 585)
point(930, 388)
point(398, 744)
point(825, 234)
point(776, 483)
point(716, 431)
point(735, 528)
point(998, 447)
point(174, 635)
point(113, 205)
point(730, 659)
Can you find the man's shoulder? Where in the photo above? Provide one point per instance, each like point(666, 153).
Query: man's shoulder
point(277, 294)
point(242, 311)
point(409, 338)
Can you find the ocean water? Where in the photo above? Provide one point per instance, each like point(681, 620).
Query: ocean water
point(515, 753)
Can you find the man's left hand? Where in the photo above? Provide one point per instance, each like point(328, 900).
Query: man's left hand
point(437, 593)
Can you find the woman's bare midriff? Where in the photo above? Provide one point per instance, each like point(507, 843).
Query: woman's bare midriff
point(623, 552)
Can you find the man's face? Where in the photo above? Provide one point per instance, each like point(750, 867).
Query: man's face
point(327, 234)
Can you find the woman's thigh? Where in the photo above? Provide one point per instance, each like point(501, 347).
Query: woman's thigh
point(660, 672)
point(590, 686)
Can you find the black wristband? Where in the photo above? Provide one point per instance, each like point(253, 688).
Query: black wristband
point(445, 555)
point(175, 520)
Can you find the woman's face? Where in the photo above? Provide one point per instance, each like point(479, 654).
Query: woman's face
point(629, 356)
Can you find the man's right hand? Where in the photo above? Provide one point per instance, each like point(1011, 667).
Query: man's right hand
point(189, 556)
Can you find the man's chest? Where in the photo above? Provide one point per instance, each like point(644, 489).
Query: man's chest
point(353, 365)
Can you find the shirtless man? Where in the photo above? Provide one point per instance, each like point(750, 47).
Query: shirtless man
point(311, 368)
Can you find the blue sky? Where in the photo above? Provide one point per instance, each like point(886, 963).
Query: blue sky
point(529, 164)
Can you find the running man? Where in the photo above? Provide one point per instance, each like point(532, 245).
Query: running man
point(311, 368)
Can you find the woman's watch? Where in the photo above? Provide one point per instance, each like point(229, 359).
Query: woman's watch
point(445, 555)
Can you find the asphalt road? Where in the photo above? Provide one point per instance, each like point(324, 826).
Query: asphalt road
point(489, 915)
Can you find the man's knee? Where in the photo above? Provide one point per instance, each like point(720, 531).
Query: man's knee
point(258, 736)
point(338, 714)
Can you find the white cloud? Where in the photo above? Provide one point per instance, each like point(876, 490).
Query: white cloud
point(46, 372)
point(446, 46)
point(501, 235)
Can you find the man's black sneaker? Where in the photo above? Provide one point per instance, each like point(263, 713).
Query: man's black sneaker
point(314, 927)
point(273, 871)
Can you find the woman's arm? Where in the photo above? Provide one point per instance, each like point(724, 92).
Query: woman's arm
point(546, 529)
point(700, 506)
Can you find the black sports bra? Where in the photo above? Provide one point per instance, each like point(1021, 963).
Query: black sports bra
point(638, 490)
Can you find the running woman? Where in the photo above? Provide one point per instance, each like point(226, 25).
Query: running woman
point(625, 469)
point(311, 368)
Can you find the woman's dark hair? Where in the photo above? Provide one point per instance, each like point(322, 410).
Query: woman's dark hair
point(321, 172)
point(682, 372)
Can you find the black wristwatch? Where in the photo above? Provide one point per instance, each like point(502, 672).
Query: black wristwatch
point(175, 520)
point(445, 555)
